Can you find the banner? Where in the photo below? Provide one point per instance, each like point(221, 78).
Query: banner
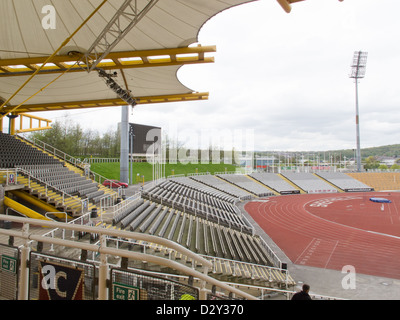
point(60, 282)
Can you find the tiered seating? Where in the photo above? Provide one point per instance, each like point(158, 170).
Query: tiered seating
point(275, 182)
point(309, 182)
point(194, 232)
point(14, 153)
point(380, 181)
point(61, 178)
point(249, 185)
point(204, 188)
point(47, 171)
point(128, 209)
point(345, 182)
point(201, 217)
point(177, 194)
point(236, 255)
point(223, 186)
point(228, 242)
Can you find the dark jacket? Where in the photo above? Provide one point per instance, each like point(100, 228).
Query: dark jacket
point(302, 295)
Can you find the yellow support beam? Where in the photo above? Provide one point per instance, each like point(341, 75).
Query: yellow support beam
point(86, 104)
point(32, 127)
point(113, 61)
point(286, 4)
point(24, 210)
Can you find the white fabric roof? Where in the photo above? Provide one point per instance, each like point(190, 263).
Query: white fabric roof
point(170, 24)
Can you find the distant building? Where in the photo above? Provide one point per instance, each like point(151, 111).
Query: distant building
point(389, 161)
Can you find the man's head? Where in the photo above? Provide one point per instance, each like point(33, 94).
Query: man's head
point(306, 288)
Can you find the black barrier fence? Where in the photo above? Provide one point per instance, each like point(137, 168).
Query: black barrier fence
point(136, 285)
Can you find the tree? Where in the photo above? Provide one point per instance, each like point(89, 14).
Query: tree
point(371, 163)
point(72, 139)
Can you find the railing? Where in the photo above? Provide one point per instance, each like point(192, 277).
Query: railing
point(55, 152)
point(103, 250)
point(148, 246)
point(271, 254)
point(176, 175)
point(152, 184)
point(119, 207)
point(228, 172)
point(70, 159)
point(102, 160)
point(64, 196)
point(287, 294)
point(198, 174)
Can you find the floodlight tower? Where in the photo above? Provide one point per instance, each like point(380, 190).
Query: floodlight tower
point(358, 72)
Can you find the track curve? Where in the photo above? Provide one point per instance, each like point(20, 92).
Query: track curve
point(323, 236)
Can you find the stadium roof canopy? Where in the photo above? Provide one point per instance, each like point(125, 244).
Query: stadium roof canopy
point(144, 42)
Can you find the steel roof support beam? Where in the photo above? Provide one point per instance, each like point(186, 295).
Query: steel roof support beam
point(120, 60)
point(116, 30)
point(87, 104)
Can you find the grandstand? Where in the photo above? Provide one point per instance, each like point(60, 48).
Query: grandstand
point(344, 182)
point(247, 184)
point(379, 181)
point(309, 182)
point(199, 217)
point(177, 237)
point(198, 212)
point(275, 182)
point(48, 178)
point(223, 186)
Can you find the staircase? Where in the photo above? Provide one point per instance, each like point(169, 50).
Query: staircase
point(48, 177)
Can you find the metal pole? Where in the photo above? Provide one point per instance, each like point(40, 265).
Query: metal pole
point(103, 270)
point(131, 135)
point(124, 161)
point(358, 72)
point(358, 151)
point(24, 271)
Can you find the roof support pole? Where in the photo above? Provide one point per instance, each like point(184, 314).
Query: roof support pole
point(11, 128)
point(124, 154)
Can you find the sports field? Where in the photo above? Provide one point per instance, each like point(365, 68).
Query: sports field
point(140, 169)
point(335, 230)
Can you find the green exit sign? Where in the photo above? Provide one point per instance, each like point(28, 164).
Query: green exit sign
point(124, 292)
point(8, 264)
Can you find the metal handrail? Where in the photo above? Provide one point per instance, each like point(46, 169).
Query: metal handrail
point(63, 194)
point(54, 151)
point(103, 250)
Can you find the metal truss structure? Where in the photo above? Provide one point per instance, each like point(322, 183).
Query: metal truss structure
point(126, 17)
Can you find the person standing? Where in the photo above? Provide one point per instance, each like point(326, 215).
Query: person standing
point(303, 294)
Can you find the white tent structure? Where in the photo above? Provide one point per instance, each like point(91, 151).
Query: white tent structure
point(70, 54)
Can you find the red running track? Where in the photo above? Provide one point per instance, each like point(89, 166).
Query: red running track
point(334, 230)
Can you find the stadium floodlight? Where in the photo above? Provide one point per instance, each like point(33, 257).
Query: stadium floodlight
point(358, 72)
point(125, 95)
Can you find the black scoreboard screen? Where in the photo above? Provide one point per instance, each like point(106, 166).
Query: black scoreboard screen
point(143, 137)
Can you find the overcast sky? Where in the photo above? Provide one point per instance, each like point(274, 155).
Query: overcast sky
point(285, 77)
